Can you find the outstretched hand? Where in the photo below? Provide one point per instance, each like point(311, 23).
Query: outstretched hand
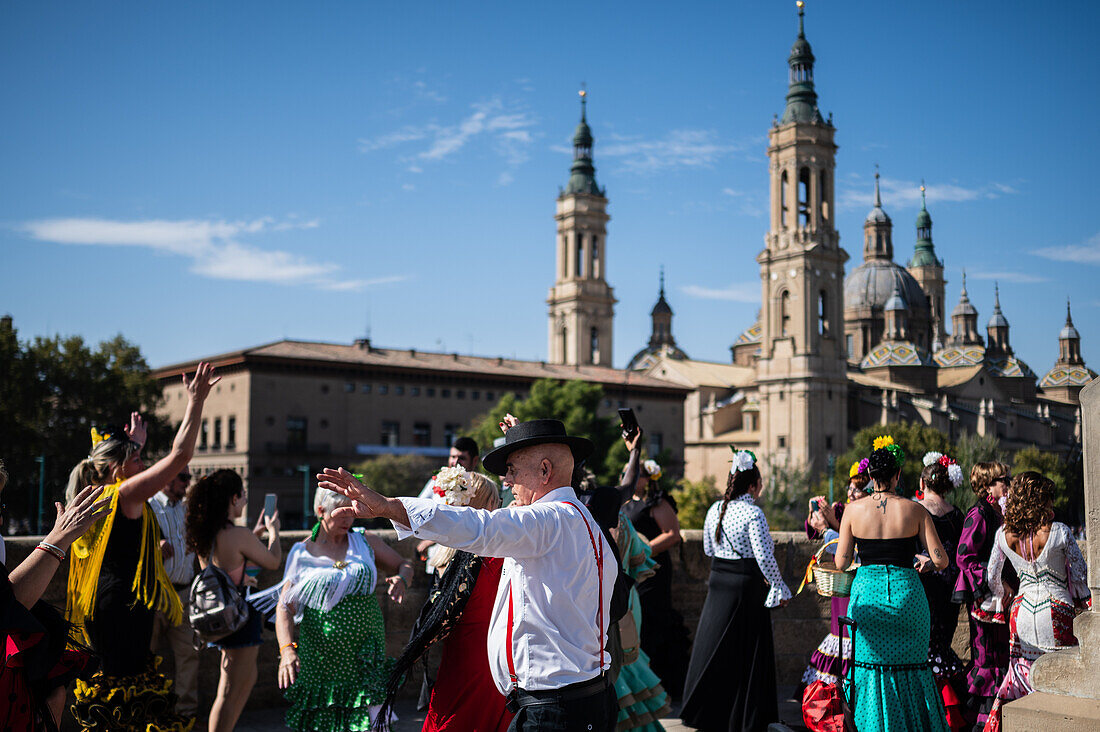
point(73, 520)
point(136, 429)
point(365, 503)
point(199, 387)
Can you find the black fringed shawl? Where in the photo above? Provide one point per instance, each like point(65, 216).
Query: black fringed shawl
point(437, 618)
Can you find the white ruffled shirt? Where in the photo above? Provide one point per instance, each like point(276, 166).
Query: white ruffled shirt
point(550, 567)
point(745, 535)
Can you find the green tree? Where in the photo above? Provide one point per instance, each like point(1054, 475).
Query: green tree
point(576, 404)
point(787, 491)
point(52, 391)
point(398, 475)
point(1053, 466)
point(916, 439)
point(693, 498)
point(971, 449)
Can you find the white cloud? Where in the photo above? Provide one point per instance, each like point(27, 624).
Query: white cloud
point(212, 246)
point(677, 149)
point(736, 292)
point(1087, 253)
point(905, 194)
point(505, 179)
point(1023, 278)
point(509, 133)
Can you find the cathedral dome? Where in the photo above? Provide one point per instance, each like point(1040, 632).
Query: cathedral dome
point(871, 285)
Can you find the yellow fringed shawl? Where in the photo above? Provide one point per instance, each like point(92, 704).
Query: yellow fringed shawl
point(151, 585)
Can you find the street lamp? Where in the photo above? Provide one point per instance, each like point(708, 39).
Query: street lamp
point(41, 460)
point(832, 476)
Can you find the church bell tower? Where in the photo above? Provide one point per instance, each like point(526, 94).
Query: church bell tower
point(582, 304)
point(802, 370)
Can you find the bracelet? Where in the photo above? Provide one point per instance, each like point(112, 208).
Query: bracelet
point(403, 580)
point(54, 551)
point(288, 645)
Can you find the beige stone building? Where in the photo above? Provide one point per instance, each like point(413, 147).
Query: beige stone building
point(832, 353)
point(285, 409)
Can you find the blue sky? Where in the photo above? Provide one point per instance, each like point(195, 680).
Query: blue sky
point(207, 176)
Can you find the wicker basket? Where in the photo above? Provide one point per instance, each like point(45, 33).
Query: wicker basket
point(832, 582)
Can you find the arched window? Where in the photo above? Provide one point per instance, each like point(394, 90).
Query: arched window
point(595, 269)
point(823, 313)
point(823, 196)
point(564, 344)
point(594, 344)
point(784, 314)
point(804, 197)
point(783, 220)
point(579, 260)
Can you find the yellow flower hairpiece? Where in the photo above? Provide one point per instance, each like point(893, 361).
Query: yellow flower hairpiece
point(854, 470)
point(884, 441)
point(98, 438)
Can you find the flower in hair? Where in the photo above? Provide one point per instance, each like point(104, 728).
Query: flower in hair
point(955, 474)
point(453, 486)
point(931, 457)
point(883, 441)
point(97, 437)
point(854, 470)
point(652, 469)
point(898, 453)
point(864, 465)
point(742, 460)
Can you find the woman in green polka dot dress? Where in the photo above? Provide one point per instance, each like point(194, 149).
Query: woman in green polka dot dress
point(335, 674)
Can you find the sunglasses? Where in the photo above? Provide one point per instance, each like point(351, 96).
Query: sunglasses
point(185, 477)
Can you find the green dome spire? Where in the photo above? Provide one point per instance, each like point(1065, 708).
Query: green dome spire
point(801, 97)
point(924, 254)
point(582, 178)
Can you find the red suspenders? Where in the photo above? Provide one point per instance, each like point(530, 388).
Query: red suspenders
point(597, 551)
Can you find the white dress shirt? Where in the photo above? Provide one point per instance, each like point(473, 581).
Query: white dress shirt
point(550, 566)
point(745, 535)
point(170, 516)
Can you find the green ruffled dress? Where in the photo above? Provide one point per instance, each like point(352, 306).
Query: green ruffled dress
point(341, 646)
point(642, 699)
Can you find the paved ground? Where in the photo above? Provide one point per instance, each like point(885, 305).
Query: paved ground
point(409, 720)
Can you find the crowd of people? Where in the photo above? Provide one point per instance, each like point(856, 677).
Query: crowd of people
point(549, 601)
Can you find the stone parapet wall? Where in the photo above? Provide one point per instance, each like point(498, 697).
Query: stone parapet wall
point(798, 628)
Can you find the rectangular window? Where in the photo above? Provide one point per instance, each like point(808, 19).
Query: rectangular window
point(414, 391)
point(656, 443)
point(848, 344)
point(489, 396)
point(782, 441)
point(391, 434)
point(383, 389)
point(460, 394)
point(365, 388)
point(475, 395)
point(217, 433)
point(231, 432)
point(445, 393)
point(431, 391)
point(828, 442)
point(296, 433)
point(422, 434)
point(202, 435)
point(399, 390)
point(450, 434)
point(349, 388)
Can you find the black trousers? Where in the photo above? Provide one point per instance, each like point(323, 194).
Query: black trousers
point(590, 706)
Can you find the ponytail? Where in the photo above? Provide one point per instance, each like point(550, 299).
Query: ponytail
point(737, 484)
point(103, 465)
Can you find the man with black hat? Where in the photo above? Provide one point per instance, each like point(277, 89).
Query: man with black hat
point(548, 631)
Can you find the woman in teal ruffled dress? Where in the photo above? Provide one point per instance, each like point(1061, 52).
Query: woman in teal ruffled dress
point(335, 675)
point(642, 699)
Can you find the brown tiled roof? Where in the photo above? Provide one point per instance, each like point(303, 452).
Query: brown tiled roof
point(339, 354)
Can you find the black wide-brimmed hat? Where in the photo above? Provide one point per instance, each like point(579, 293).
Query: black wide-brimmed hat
point(535, 432)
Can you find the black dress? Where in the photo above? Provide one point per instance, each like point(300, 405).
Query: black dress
point(949, 670)
point(664, 636)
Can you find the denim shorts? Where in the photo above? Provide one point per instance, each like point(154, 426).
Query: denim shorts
point(249, 634)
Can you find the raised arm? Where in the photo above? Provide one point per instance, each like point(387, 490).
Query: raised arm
point(145, 484)
point(630, 472)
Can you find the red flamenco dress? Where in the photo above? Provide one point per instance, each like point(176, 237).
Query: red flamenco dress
point(465, 698)
point(35, 661)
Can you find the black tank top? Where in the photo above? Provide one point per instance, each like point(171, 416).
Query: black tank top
point(896, 552)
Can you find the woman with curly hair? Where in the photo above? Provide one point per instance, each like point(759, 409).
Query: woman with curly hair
point(893, 687)
point(117, 582)
point(1053, 581)
point(988, 629)
point(652, 511)
point(214, 504)
point(940, 475)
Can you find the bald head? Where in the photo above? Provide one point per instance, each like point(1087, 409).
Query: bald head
point(535, 471)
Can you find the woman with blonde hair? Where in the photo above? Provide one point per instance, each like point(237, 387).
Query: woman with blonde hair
point(973, 588)
point(1053, 581)
point(334, 674)
point(117, 580)
point(457, 613)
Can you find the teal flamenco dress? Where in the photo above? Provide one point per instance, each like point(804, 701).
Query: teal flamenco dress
point(894, 689)
point(341, 639)
point(642, 699)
